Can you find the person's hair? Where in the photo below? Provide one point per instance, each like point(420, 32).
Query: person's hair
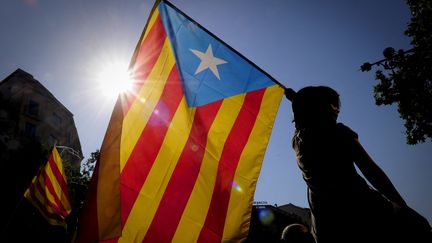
point(296, 233)
point(311, 105)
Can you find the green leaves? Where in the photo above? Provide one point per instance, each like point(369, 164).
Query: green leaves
point(404, 77)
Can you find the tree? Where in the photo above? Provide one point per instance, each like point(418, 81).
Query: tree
point(78, 182)
point(405, 76)
point(88, 167)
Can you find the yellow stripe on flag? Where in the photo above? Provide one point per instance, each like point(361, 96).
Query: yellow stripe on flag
point(53, 205)
point(48, 194)
point(153, 189)
point(57, 188)
point(196, 209)
point(61, 193)
point(58, 162)
point(249, 167)
point(40, 198)
point(140, 111)
point(39, 194)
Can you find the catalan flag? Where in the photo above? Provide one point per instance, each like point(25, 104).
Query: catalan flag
point(48, 191)
point(182, 153)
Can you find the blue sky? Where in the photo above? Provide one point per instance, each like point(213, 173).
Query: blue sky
point(65, 44)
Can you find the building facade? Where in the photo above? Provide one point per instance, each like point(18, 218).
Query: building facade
point(28, 111)
point(32, 120)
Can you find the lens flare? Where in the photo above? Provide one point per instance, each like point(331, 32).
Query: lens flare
point(160, 115)
point(265, 215)
point(194, 147)
point(236, 186)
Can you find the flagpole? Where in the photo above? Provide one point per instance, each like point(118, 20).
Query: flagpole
point(229, 47)
point(70, 150)
point(131, 64)
point(76, 154)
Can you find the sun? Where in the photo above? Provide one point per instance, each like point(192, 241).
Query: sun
point(114, 79)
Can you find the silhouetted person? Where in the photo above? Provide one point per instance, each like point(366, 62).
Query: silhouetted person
point(296, 233)
point(344, 208)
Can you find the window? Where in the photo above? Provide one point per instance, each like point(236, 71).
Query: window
point(57, 120)
point(30, 130)
point(52, 139)
point(33, 108)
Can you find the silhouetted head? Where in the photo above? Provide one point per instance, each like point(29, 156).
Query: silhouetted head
point(314, 106)
point(296, 233)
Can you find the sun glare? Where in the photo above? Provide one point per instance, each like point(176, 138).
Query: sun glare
point(114, 79)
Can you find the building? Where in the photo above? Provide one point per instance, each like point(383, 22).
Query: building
point(302, 214)
point(268, 221)
point(32, 120)
point(28, 111)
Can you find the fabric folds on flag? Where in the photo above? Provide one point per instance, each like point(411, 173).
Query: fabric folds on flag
point(48, 191)
point(183, 152)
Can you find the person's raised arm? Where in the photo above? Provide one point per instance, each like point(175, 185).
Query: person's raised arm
point(376, 176)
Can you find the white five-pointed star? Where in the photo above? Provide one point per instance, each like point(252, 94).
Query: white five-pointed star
point(208, 61)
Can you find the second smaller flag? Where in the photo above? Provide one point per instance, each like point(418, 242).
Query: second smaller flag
point(48, 191)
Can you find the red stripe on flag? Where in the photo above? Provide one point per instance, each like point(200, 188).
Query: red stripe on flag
point(147, 147)
point(49, 185)
point(148, 54)
point(180, 186)
point(58, 175)
point(212, 230)
point(40, 186)
point(45, 203)
point(42, 207)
